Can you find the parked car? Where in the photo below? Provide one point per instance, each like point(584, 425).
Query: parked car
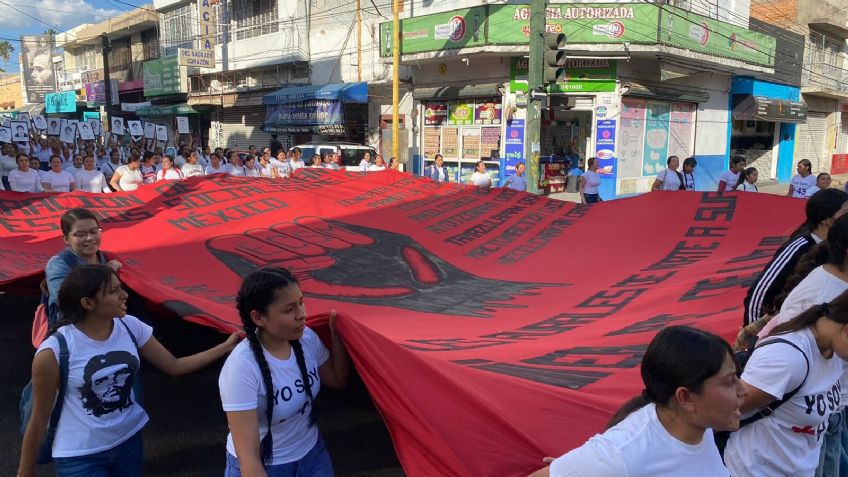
point(350, 153)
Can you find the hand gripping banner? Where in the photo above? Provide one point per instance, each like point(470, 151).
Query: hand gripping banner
point(492, 328)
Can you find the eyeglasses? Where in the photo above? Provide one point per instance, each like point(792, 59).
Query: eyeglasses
point(84, 234)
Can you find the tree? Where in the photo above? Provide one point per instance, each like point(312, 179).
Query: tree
point(6, 50)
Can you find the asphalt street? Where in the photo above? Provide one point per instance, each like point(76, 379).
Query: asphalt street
point(187, 429)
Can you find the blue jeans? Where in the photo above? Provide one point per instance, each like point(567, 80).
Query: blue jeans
point(316, 463)
point(591, 198)
point(125, 460)
point(833, 460)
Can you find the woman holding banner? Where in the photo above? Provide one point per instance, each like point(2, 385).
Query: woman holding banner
point(168, 172)
point(271, 436)
point(90, 179)
point(58, 179)
point(128, 178)
point(691, 388)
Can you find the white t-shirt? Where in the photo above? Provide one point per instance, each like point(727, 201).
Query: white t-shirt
point(191, 170)
point(7, 165)
point(251, 172)
point(801, 184)
point(169, 175)
point(236, 170)
point(148, 174)
point(746, 187)
point(100, 410)
point(375, 168)
point(92, 181)
point(364, 165)
point(108, 169)
point(481, 179)
point(639, 446)
point(221, 169)
point(242, 389)
point(593, 180)
point(59, 181)
point(130, 179)
point(788, 441)
point(266, 170)
point(812, 190)
point(43, 155)
point(296, 164)
point(29, 181)
point(670, 180)
point(282, 167)
point(730, 179)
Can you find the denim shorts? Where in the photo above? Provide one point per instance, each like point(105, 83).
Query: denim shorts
point(316, 463)
point(124, 460)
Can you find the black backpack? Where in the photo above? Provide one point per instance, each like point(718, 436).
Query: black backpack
point(741, 357)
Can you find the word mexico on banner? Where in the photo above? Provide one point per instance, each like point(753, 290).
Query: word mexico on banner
point(524, 317)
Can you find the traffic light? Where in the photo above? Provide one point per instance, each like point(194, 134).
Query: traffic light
point(554, 58)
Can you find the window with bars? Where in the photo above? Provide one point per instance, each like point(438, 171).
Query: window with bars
point(176, 29)
point(87, 59)
point(252, 18)
point(150, 44)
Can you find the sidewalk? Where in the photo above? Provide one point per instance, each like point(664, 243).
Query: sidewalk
point(769, 187)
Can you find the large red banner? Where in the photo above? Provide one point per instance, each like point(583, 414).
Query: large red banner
point(492, 328)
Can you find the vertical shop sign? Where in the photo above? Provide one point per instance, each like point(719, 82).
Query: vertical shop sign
point(513, 147)
point(605, 146)
point(656, 138)
point(206, 24)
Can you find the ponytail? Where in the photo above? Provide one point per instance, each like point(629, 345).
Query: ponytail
point(628, 408)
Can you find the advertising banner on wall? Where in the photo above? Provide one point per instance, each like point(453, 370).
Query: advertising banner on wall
point(163, 76)
point(605, 146)
point(96, 92)
point(582, 75)
point(38, 73)
point(440, 31)
point(305, 116)
point(64, 102)
point(513, 147)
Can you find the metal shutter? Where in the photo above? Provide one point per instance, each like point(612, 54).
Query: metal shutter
point(810, 140)
point(241, 127)
point(842, 141)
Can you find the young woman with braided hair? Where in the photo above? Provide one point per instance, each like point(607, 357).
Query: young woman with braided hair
point(798, 368)
point(269, 383)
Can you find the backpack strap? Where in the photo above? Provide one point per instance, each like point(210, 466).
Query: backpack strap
point(132, 336)
point(771, 408)
point(64, 366)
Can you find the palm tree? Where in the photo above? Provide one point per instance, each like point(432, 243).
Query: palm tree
point(6, 50)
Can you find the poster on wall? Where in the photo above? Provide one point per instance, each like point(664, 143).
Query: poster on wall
point(656, 138)
point(460, 113)
point(631, 137)
point(37, 69)
point(435, 113)
point(605, 146)
point(680, 130)
point(513, 147)
point(487, 112)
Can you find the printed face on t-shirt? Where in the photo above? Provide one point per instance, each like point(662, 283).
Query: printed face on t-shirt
point(107, 382)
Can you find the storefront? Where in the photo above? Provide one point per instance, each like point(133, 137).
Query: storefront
point(764, 117)
point(464, 125)
point(331, 112)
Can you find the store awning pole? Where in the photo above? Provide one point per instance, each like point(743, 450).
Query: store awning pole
point(395, 76)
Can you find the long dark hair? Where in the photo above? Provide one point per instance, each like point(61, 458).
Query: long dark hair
point(84, 281)
point(72, 216)
point(744, 175)
point(831, 251)
point(820, 207)
point(678, 356)
point(836, 310)
point(257, 292)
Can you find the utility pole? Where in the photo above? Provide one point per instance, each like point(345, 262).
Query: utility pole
point(358, 40)
point(225, 40)
point(395, 76)
point(532, 142)
point(107, 82)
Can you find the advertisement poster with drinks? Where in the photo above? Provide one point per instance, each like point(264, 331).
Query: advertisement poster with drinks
point(656, 138)
point(435, 113)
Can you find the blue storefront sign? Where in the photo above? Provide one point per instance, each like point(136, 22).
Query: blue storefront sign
point(314, 115)
point(513, 148)
point(64, 102)
point(605, 146)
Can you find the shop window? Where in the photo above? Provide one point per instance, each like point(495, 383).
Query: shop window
point(176, 29)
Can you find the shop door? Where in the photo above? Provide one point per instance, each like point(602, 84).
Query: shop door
point(241, 127)
point(810, 140)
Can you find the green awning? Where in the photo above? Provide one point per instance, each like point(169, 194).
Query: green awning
point(166, 110)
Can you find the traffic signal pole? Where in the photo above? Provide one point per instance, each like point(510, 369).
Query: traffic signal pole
point(533, 127)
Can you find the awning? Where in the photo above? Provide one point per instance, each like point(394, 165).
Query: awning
point(648, 90)
point(344, 92)
point(762, 108)
point(166, 110)
point(487, 90)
